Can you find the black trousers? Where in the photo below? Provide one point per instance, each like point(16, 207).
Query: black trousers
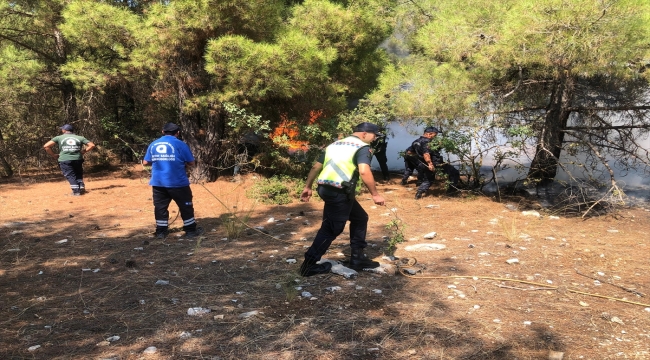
point(428, 176)
point(74, 172)
point(410, 164)
point(162, 197)
point(383, 164)
point(339, 208)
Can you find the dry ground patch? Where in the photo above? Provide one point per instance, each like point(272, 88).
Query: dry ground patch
point(69, 297)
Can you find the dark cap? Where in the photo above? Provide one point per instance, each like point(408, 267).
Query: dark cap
point(369, 128)
point(67, 127)
point(431, 129)
point(170, 127)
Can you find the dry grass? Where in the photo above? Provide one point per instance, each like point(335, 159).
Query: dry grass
point(443, 314)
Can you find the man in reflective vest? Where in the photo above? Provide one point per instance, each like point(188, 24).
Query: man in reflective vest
point(337, 172)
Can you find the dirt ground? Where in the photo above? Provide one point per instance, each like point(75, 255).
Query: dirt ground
point(580, 287)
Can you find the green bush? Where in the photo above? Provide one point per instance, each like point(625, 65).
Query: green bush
point(278, 190)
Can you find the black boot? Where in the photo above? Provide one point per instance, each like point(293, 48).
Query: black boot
point(404, 181)
point(310, 268)
point(419, 194)
point(359, 261)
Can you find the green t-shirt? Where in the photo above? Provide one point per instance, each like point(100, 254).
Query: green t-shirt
point(70, 146)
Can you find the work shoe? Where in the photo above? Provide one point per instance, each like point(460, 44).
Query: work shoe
point(359, 261)
point(194, 233)
point(76, 194)
point(162, 234)
point(418, 195)
point(404, 181)
point(310, 268)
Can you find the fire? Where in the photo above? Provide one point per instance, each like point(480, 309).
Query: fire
point(290, 129)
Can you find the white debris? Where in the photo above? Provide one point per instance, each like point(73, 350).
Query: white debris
point(13, 250)
point(96, 270)
point(527, 323)
point(246, 315)
point(430, 235)
point(185, 335)
point(612, 231)
point(197, 311)
point(32, 348)
point(496, 321)
point(377, 291)
point(259, 227)
point(339, 269)
point(138, 248)
point(291, 261)
point(615, 319)
point(601, 273)
point(549, 238)
point(162, 282)
point(512, 261)
point(553, 217)
point(61, 241)
point(16, 232)
point(387, 269)
point(112, 338)
point(305, 294)
point(425, 247)
point(530, 213)
point(333, 288)
point(647, 309)
point(270, 220)
point(431, 206)
point(150, 350)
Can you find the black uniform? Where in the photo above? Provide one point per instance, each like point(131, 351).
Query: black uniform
point(421, 147)
point(379, 151)
point(410, 164)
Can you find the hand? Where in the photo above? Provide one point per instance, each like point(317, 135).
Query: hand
point(378, 199)
point(306, 195)
point(56, 156)
point(430, 167)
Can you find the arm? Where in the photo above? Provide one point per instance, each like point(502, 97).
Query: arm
point(313, 173)
point(366, 176)
point(89, 146)
point(48, 148)
point(427, 158)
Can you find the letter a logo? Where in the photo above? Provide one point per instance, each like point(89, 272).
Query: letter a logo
point(161, 149)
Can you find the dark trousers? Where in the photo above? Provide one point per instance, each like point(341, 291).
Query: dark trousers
point(74, 172)
point(182, 196)
point(428, 176)
point(338, 210)
point(410, 165)
point(383, 164)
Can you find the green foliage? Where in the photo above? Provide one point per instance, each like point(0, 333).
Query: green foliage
point(240, 121)
point(396, 228)
point(276, 190)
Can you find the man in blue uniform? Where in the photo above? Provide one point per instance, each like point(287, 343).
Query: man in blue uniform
point(429, 160)
point(71, 151)
point(337, 172)
point(410, 164)
point(169, 157)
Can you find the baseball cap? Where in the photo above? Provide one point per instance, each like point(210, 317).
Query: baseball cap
point(432, 129)
point(368, 127)
point(170, 127)
point(67, 127)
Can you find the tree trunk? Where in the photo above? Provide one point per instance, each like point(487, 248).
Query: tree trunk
point(5, 167)
point(544, 166)
point(204, 139)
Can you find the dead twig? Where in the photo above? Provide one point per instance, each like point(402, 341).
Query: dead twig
point(637, 293)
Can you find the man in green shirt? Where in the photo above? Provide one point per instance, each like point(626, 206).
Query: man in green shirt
point(70, 156)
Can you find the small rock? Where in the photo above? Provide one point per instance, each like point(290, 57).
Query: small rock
point(112, 338)
point(197, 311)
point(162, 282)
point(150, 350)
point(33, 348)
point(61, 241)
point(377, 291)
point(531, 213)
point(512, 261)
point(553, 217)
point(291, 261)
point(219, 317)
point(511, 207)
point(270, 220)
point(555, 355)
point(615, 319)
point(425, 247)
point(527, 323)
point(612, 231)
point(305, 294)
point(333, 288)
point(185, 335)
point(430, 235)
point(249, 314)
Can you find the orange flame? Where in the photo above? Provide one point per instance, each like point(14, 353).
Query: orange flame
point(289, 128)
